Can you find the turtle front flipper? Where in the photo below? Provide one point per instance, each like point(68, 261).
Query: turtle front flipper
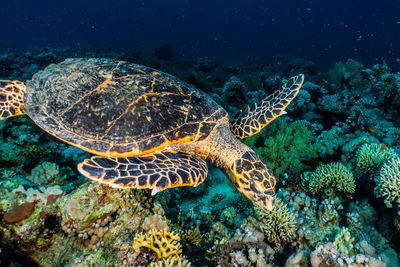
point(257, 116)
point(157, 171)
point(11, 98)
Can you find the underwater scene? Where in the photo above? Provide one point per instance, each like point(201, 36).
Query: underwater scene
point(200, 133)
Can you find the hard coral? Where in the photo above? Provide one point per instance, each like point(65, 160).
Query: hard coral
point(176, 262)
point(246, 248)
point(165, 244)
point(44, 173)
point(214, 249)
point(328, 255)
point(279, 224)
point(370, 157)
point(336, 175)
point(45, 196)
point(388, 181)
point(191, 236)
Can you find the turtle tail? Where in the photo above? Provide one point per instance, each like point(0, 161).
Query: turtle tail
point(11, 98)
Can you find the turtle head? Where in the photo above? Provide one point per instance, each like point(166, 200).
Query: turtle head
point(253, 178)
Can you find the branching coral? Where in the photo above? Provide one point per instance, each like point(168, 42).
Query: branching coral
point(335, 175)
point(176, 262)
point(165, 244)
point(370, 157)
point(213, 250)
point(191, 236)
point(279, 224)
point(388, 182)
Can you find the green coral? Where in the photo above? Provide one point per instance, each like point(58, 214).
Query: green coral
point(285, 147)
point(344, 242)
point(279, 224)
point(335, 175)
point(388, 181)
point(370, 157)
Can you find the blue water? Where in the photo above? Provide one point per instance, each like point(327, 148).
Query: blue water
point(321, 31)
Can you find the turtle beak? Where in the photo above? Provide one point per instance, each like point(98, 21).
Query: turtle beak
point(269, 203)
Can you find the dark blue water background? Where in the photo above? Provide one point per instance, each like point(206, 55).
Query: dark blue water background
point(324, 31)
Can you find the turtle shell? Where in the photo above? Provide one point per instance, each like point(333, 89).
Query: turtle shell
point(117, 108)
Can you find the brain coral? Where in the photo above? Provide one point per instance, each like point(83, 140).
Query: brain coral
point(279, 224)
point(388, 181)
point(335, 175)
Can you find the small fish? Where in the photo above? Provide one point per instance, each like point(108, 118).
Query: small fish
point(372, 130)
point(383, 147)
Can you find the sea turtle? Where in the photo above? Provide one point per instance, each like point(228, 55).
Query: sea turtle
point(147, 129)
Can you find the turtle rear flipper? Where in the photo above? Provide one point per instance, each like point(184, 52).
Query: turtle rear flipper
point(257, 116)
point(157, 171)
point(11, 98)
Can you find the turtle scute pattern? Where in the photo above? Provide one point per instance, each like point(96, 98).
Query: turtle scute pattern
point(159, 170)
point(255, 180)
point(11, 98)
point(117, 108)
point(258, 115)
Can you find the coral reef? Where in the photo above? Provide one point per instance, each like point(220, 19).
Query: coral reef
point(344, 242)
point(328, 255)
point(178, 262)
point(388, 181)
point(165, 244)
point(285, 147)
point(348, 75)
point(246, 248)
point(370, 157)
point(340, 139)
point(279, 224)
point(335, 175)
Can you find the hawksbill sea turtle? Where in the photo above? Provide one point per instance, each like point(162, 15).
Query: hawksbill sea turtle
point(146, 128)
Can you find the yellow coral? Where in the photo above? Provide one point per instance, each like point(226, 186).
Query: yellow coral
point(165, 244)
point(179, 261)
point(192, 236)
point(212, 251)
point(279, 224)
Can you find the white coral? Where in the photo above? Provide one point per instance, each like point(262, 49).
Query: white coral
point(388, 182)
